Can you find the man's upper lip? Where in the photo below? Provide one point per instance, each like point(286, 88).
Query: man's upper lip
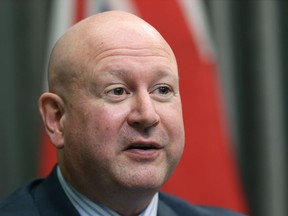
point(143, 144)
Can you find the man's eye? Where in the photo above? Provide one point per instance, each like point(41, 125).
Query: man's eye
point(117, 94)
point(118, 91)
point(164, 90)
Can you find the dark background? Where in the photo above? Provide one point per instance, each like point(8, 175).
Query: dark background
point(250, 38)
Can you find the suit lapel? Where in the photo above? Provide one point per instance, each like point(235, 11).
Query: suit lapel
point(50, 198)
point(164, 209)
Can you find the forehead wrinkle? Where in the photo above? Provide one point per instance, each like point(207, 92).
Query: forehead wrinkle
point(159, 51)
point(134, 52)
point(96, 48)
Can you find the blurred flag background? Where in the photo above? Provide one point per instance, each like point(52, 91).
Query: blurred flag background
point(231, 57)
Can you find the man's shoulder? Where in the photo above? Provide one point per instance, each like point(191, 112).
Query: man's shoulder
point(21, 201)
point(39, 197)
point(182, 207)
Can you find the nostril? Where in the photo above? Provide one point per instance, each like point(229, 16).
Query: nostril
point(156, 122)
point(145, 122)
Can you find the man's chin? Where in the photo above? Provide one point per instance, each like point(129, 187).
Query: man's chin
point(145, 182)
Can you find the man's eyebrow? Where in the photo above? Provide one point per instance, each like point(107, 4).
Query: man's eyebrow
point(168, 74)
point(159, 74)
point(118, 73)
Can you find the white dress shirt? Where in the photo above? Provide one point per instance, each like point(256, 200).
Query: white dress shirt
point(87, 207)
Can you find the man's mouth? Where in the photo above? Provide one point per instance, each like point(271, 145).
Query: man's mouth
point(143, 151)
point(143, 147)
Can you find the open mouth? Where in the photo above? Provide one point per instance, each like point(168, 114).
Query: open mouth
point(143, 151)
point(142, 147)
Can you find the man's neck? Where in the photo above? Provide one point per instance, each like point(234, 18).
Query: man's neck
point(130, 203)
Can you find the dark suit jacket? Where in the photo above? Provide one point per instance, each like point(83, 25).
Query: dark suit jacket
point(46, 197)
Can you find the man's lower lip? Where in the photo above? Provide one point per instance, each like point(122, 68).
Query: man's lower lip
point(143, 154)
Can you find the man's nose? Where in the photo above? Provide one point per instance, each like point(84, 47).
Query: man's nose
point(143, 113)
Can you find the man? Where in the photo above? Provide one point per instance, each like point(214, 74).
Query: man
point(113, 112)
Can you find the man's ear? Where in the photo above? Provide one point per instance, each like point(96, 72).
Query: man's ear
point(51, 108)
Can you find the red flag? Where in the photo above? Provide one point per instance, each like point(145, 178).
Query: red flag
point(207, 173)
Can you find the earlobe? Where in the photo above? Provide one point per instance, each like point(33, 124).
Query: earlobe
point(51, 108)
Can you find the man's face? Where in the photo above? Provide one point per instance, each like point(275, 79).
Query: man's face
point(124, 127)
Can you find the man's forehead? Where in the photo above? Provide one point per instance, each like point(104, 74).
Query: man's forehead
point(85, 42)
point(126, 39)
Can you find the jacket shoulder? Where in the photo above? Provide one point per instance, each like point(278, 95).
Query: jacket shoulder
point(43, 197)
point(21, 201)
point(182, 207)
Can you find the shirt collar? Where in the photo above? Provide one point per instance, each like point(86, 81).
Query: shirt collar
point(87, 207)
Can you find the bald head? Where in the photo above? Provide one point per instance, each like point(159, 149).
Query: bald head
point(80, 47)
